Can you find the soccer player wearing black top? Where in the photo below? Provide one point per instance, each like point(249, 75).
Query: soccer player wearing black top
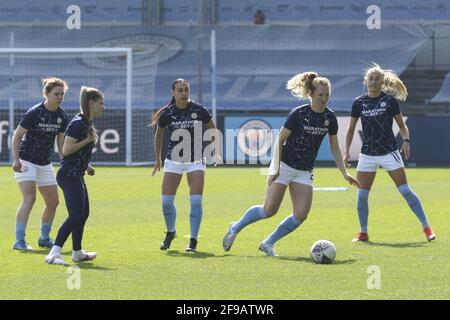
point(377, 109)
point(32, 147)
point(183, 118)
point(298, 143)
point(79, 141)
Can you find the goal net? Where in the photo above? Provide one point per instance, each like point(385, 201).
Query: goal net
point(124, 135)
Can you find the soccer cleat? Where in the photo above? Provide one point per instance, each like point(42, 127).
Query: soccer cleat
point(22, 246)
point(228, 239)
point(361, 236)
point(83, 256)
point(429, 233)
point(51, 259)
point(267, 248)
point(45, 243)
point(192, 247)
point(168, 240)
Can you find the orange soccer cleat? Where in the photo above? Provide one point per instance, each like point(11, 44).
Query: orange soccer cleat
point(429, 233)
point(361, 236)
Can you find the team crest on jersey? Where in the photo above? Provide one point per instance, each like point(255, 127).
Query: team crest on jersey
point(59, 120)
point(326, 123)
point(194, 115)
point(383, 104)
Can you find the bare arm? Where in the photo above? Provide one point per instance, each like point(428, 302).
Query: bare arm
point(217, 142)
point(274, 169)
point(60, 143)
point(17, 137)
point(348, 139)
point(158, 146)
point(337, 155)
point(404, 131)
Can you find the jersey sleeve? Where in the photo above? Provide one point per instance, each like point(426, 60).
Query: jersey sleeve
point(394, 107)
point(76, 130)
point(163, 120)
point(356, 109)
point(333, 129)
point(205, 115)
point(29, 119)
point(292, 120)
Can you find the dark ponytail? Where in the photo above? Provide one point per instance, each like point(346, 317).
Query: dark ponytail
point(157, 114)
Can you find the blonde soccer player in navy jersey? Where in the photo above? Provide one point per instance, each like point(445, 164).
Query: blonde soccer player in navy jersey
point(298, 143)
point(377, 110)
point(184, 116)
point(80, 138)
point(32, 146)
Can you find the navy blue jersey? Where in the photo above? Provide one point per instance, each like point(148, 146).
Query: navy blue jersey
point(190, 119)
point(43, 126)
point(376, 118)
point(75, 164)
point(308, 130)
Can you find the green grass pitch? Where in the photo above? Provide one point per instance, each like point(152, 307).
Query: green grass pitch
point(126, 227)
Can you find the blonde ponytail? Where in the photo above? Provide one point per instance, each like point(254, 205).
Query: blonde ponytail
point(84, 107)
point(304, 84)
point(394, 86)
point(87, 94)
point(391, 85)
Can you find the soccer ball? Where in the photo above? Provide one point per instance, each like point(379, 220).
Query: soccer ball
point(323, 252)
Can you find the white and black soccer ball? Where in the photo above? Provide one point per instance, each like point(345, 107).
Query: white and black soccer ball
point(323, 252)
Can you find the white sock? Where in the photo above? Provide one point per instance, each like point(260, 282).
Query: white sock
point(56, 251)
point(77, 253)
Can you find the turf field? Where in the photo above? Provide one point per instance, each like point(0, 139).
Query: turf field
point(126, 226)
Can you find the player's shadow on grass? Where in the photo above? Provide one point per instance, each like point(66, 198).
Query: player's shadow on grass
point(45, 252)
point(40, 251)
point(395, 245)
point(195, 255)
point(91, 266)
point(310, 260)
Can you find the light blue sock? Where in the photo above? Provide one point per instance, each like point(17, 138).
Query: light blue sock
point(253, 214)
point(414, 203)
point(45, 230)
point(169, 211)
point(284, 228)
point(363, 209)
point(195, 216)
point(20, 231)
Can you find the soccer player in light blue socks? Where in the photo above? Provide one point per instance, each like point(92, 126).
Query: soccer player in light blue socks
point(183, 116)
point(377, 110)
point(196, 213)
point(169, 211)
point(32, 162)
point(298, 144)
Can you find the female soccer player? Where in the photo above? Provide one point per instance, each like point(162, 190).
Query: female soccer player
point(32, 147)
point(377, 108)
point(298, 143)
point(184, 118)
point(79, 141)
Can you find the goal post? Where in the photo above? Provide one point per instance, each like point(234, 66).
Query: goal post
point(108, 69)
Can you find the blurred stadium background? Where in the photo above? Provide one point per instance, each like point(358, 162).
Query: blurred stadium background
point(172, 38)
